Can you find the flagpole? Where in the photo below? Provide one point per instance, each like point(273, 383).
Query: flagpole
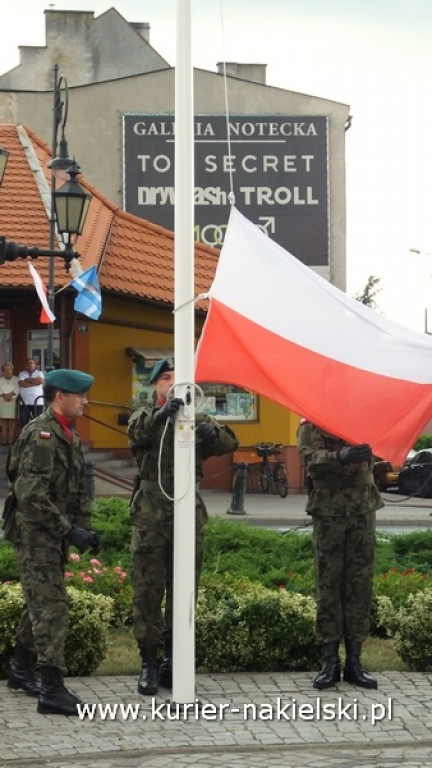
point(184, 337)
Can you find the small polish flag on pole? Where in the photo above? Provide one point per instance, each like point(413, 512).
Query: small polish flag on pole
point(46, 315)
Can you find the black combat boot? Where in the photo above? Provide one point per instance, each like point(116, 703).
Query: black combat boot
point(330, 672)
point(55, 699)
point(148, 679)
point(165, 669)
point(354, 672)
point(21, 676)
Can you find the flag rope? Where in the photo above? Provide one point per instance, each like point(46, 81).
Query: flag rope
point(231, 195)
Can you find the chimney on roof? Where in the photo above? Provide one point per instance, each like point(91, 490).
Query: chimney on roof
point(143, 29)
point(256, 73)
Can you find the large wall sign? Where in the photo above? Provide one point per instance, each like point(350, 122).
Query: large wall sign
point(278, 164)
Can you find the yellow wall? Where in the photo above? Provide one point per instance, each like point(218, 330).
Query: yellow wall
point(132, 324)
point(274, 425)
point(123, 324)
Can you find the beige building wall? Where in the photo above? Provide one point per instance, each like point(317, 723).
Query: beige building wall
point(86, 49)
point(94, 124)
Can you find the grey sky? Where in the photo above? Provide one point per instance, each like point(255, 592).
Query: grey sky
point(374, 55)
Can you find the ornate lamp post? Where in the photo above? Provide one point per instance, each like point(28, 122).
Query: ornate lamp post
point(69, 204)
point(58, 165)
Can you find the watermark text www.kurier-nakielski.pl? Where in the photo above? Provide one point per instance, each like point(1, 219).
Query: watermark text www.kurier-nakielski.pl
point(279, 709)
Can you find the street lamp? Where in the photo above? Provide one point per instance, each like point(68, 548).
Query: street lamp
point(71, 204)
point(4, 155)
point(59, 163)
point(421, 252)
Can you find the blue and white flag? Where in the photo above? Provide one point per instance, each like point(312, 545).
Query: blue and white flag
point(89, 300)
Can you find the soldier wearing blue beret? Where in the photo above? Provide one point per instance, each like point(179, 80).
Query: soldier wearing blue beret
point(166, 364)
point(52, 511)
point(151, 432)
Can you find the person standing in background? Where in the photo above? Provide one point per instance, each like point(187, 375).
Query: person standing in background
point(9, 391)
point(30, 382)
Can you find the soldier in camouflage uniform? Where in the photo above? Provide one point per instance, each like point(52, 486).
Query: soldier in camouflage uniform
point(152, 519)
point(46, 472)
point(342, 501)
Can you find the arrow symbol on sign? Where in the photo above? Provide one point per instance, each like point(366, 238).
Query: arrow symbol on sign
point(268, 223)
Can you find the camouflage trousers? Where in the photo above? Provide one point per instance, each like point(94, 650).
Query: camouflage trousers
point(344, 549)
point(152, 567)
point(44, 621)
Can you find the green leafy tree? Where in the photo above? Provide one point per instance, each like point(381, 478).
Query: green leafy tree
point(369, 292)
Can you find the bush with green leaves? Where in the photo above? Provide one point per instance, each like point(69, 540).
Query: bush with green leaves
point(413, 550)
point(398, 586)
point(112, 521)
point(259, 554)
point(89, 574)
point(238, 554)
point(424, 441)
point(9, 570)
point(411, 628)
point(243, 626)
point(87, 640)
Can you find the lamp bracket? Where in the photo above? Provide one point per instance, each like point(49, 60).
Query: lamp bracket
point(10, 251)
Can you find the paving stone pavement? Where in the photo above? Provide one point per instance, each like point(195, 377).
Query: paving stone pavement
point(246, 721)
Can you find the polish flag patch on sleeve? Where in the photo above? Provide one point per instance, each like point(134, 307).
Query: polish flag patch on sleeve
point(45, 434)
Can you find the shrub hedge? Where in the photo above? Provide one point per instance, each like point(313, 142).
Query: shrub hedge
point(87, 640)
point(243, 626)
point(411, 627)
point(256, 600)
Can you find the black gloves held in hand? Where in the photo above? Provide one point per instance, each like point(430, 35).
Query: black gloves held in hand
point(169, 410)
point(84, 540)
point(206, 431)
point(354, 454)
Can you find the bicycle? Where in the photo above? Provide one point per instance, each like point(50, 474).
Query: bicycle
point(273, 476)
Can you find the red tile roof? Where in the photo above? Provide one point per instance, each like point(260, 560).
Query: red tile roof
point(134, 256)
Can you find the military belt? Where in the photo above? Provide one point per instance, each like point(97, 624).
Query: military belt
point(341, 482)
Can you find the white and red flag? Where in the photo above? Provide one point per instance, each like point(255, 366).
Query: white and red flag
point(46, 315)
point(277, 328)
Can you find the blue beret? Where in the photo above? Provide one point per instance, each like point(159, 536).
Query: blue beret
point(166, 364)
point(76, 382)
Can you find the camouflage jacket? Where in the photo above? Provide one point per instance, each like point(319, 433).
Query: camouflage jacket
point(46, 473)
point(334, 488)
point(145, 438)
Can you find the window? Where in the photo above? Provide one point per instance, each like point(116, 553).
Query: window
point(229, 402)
point(224, 401)
point(5, 346)
point(37, 347)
